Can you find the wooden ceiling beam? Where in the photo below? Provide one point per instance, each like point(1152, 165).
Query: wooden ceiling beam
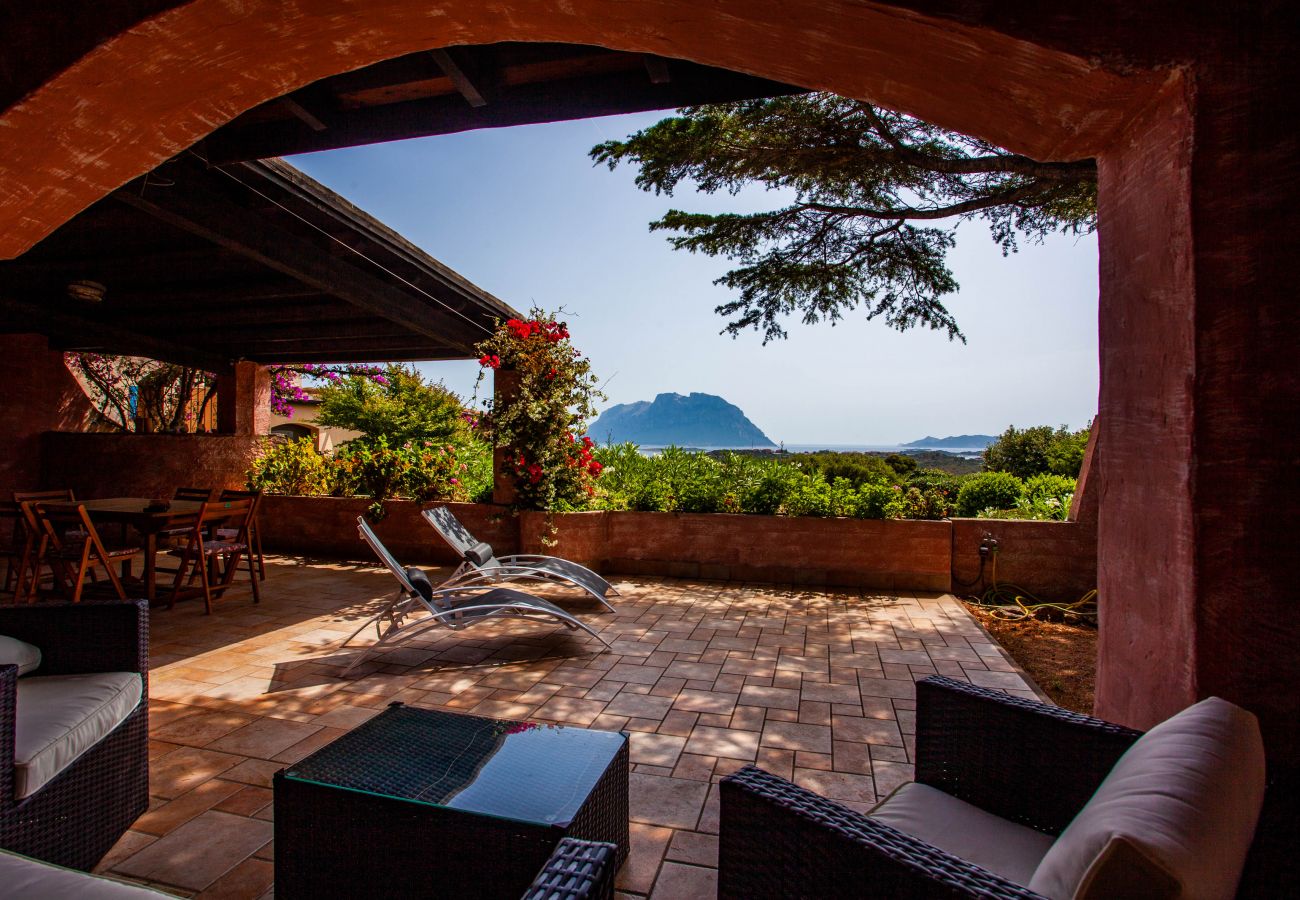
point(302, 113)
point(555, 101)
point(69, 331)
point(422, 353)
point(657, 68)
point(471, 88)
point(208, 214)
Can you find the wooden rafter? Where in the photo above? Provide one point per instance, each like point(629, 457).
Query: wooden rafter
point(473, 92)
point(206, 213)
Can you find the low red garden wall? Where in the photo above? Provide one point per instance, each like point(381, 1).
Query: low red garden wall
point(888, 555)
point(327, 526)
point(1056, 560)
point(111, 464)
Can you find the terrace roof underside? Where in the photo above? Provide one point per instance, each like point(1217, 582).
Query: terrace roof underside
point(203, 266)
point(225, 254)
point(462, 88)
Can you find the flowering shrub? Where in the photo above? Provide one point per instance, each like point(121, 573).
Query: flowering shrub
point(291, 467)
point(286, 381)
point(170, 397)
point(542, 411)
point(374, 469)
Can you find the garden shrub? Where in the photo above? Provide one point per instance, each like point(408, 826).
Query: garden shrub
point(290, 467)
point(1026, 452)
point(988, 490)
point(875, 501)
point(1046, 497)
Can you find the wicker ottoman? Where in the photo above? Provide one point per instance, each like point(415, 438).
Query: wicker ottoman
point(424, 803)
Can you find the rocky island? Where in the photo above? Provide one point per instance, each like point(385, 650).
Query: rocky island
point(697, 420)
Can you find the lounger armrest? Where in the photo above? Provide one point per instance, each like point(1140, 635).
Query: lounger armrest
point(779, 840)
point(90, 636)
point(577, 870)
point(1029, 762)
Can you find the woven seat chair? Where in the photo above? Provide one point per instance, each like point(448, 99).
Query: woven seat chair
point(25, 572)
point(1004, 769)
point(254, 528)
point(78, 815)
point(73, 549)
point(215, 561)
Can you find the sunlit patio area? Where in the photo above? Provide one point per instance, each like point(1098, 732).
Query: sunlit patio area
point(814, 685)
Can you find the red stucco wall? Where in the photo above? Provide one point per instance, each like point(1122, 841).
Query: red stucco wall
point(327, 526)
point(37, 394)
point(106, 464)
point(1053, 559)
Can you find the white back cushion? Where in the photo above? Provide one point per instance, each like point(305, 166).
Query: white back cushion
point(1180, 807)
point(14, 652)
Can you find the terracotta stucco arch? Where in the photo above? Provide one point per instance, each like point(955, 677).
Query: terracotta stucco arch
point(1191, 117)
point(158, 87)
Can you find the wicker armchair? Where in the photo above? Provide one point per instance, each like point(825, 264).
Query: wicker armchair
point(75, 818)
point(1030, 763)
point(577, 870)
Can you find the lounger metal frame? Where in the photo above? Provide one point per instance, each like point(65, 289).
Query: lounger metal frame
point(455, 605)
point(516, 567)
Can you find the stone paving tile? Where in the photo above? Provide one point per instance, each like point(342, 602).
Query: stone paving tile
point(815, 686)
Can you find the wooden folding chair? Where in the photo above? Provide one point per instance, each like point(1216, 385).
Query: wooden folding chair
point(27, 574)
point(176, 532)
point(193, 561)
point(254, 530)
point(13, 549)
point(73, 549)
point(217, 559)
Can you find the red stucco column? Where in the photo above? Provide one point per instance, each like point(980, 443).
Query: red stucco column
point(1199, 405)
point(244, 399)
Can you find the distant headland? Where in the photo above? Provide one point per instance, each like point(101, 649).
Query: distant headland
point(961, 441)
point(697, 420)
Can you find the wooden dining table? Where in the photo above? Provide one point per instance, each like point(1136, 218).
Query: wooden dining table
point(134, 511)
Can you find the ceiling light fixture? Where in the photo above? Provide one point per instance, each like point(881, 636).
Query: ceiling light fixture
point(86, 291)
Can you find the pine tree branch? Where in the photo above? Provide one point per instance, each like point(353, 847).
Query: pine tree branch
point(1012, 163)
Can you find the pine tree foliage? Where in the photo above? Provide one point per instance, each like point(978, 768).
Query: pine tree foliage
point(867, 183)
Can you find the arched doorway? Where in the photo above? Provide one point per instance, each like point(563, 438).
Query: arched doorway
point(1184, 447)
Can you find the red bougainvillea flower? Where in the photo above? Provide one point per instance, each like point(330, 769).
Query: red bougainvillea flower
point(490, 361)
point(595, 468)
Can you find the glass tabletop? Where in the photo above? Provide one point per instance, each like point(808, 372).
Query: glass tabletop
point(528, 772)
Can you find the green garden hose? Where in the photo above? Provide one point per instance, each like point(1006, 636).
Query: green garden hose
point(1010, 601)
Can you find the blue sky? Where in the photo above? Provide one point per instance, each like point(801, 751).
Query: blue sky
point(523, 213)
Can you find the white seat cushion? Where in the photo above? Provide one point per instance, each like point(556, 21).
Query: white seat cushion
point(23, 877)
point(955, 826)
point(1174, 818)
point(60, 717)
point(14, 652)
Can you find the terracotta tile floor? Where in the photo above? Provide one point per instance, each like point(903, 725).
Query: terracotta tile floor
point(815, 685)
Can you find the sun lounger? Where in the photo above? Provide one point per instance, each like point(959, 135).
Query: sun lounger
point(480, 563)
point(456, 605)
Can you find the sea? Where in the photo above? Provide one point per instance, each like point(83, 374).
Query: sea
point(969, 452)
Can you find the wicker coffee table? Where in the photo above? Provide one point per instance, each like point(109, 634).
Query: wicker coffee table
point(422, 803)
